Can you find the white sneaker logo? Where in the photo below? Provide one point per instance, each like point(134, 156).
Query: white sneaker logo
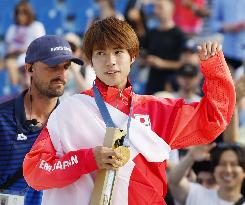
point(21, 137)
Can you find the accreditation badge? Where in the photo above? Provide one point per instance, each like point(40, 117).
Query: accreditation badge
point(9, 199)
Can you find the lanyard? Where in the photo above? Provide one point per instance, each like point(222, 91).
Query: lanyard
point(106, 115)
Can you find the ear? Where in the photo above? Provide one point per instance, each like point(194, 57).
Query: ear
point(27, 67)
point(132, 60)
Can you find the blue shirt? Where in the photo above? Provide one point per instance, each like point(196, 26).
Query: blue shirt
point(229, 12)
point(16, 139)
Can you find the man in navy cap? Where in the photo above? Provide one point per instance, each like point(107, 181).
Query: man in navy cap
point(47, 61)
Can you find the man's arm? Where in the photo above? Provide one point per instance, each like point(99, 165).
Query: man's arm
point(178, 182)
point(231, 134)
point(218, 23)
point(162, 64)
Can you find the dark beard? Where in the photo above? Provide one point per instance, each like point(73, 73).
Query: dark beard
point(49, 91)
point(54, 93)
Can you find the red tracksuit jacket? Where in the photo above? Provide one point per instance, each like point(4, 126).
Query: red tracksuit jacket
point(61, 161)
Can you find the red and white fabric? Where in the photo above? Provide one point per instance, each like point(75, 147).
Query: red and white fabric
point(61, 161)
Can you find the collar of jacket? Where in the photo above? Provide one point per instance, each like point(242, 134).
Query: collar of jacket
point(117, 98)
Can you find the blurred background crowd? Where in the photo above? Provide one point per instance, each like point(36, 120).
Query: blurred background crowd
point(169, 32)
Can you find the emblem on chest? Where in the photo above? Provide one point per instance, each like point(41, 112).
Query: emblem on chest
point(144, 119)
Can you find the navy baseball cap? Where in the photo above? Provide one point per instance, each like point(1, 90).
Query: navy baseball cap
point(51, 50)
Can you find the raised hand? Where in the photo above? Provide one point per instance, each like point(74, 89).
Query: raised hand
point(201, 152)
point(208, 49)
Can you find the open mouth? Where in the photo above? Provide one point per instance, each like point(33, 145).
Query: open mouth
point(228, 179)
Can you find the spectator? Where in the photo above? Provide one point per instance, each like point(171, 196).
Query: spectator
point(235, 131)
point(240, 90)
point(188, 81)
point(135, 16)
point(20, 35)
point(204, 174)
point(76, 82)
point(190, 54)
point(228, 165)
point(22, 118)
point(188, 15)
point(229, 19)
point(106, 8)
point(164, 46)
point(7, 89)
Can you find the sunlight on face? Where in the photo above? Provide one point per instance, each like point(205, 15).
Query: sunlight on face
point(50, 80)
point(112, 66)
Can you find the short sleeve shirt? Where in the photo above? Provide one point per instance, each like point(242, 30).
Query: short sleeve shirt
point(203, 196)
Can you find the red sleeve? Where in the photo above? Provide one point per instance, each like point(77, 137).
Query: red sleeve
point(43, 169)
point(201, 123)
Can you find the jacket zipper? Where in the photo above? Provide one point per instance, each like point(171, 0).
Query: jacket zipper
point(118, 95)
